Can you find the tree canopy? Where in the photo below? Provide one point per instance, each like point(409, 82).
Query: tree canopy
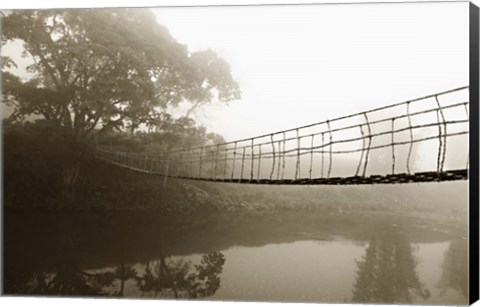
point(106, 69)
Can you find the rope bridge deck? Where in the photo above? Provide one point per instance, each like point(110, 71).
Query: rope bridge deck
point(398, 143)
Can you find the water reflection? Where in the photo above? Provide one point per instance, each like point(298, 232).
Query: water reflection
point(59, 275)
point(286, 256)
point(164, 277)
point(387, 272)
point(455, 268)
point(175, 278)
point(67, 259)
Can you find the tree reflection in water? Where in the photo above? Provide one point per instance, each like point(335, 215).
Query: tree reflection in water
point(175, 278)
point(61, 275)
point(455, 268)
point(163, 277)
point(386, 274)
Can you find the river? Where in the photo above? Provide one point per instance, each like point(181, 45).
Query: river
point(286, 256)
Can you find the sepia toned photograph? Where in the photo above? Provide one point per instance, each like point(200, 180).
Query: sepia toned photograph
point(306, 153)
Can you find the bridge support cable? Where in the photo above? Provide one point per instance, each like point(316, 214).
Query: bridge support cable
point(440, 144)
point(283, 155)
point(273, 156)
point(393, 146)
point(411, 137)
point(252, 150)
point(369, 144)
point(297, 165)
point(243, 163)
point(225, 163)
point(356, 141)
point(362, 152)
point(444, 152)
point(323, 158)
point(215, 162)
point(279, 160)
point(330, 157)
point(234, 160)
point(311, 157)
point(259, 160)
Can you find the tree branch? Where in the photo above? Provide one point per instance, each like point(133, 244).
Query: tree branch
point(192, 108)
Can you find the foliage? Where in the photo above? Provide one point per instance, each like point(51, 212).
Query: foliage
point(108, 68)
point(34, 156)
point(170, 134)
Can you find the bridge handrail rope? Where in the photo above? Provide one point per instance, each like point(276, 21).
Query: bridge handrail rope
point(140, 155)
point(334, 119)
point(319, 133)
point(373, 129)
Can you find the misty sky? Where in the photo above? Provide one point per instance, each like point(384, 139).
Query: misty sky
point(302, 64)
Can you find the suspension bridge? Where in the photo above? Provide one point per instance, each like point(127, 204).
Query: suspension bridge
point(420, 140)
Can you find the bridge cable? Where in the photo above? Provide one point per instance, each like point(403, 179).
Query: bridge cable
point(158, 163)
point(362, 152)
point(273, 152)
point(259, 160)
point(297, 166)
point(331, 146)
point(234, 160)
point(311, 157)
point(369, 144)
point(243, 161)
point(323, 142)
point(283, 155)
point(411, 136)
point(251, 165)
point(440, 143)
point(216, 159)
point(393, 145)
point(444, 153)
point(225, 162)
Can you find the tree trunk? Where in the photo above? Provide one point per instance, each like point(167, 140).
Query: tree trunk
point(71, 170)
point(74, 154)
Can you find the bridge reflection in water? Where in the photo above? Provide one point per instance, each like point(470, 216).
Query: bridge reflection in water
point(423, 139)
point(283, 257)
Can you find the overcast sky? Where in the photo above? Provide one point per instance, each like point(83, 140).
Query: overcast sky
point(303, 64)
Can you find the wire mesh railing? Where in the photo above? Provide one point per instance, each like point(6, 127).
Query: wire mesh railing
point(423, 139)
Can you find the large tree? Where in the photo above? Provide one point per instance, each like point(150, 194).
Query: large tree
point(106, 67)
point(102, 69)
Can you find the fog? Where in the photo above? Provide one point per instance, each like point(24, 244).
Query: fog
point(303, 64)
point(263, 211)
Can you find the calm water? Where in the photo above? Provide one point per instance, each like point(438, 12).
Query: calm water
point(286, 256)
